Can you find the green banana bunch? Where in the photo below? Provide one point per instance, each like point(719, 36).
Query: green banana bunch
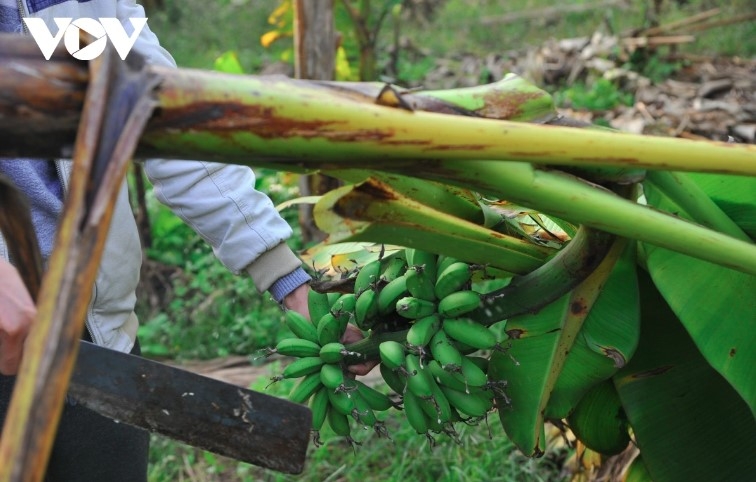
point(430, 370)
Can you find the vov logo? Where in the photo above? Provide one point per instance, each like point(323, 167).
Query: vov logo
point(101, 29)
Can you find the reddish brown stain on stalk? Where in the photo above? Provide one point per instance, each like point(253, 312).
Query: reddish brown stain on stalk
point(515, 333)
point(508, 105)
point(578, 307)
point(261, 121)
point(376, 190)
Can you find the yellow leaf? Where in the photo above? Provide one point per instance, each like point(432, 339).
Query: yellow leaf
point(269, 37)
point(279, 12)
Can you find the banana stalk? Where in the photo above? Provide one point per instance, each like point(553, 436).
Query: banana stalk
point(238, 119)
point(531, 292)
point(575, 200)
point(294, 121)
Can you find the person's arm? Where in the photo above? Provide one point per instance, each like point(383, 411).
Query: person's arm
point(17, 312)
point(220, 202)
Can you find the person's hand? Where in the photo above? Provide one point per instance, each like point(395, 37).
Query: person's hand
point(353, 335)
point(17, 312)
point(297, 300)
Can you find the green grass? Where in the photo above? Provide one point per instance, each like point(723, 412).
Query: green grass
point(482, 453)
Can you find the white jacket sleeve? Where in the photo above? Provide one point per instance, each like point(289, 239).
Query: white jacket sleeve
point(220, 203)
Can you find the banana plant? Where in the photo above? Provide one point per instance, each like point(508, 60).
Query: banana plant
point(639, 327)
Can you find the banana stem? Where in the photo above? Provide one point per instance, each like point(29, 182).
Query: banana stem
point(575, 200)
point(681, 190)
point(531, 292)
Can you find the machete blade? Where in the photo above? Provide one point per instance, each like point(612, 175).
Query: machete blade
point(203, 412)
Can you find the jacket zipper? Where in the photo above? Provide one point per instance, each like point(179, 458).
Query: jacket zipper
point(22, 13)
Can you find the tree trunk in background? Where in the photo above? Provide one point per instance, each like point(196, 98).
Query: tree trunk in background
point(314, 59)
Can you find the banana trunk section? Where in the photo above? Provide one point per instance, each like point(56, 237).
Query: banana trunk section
point(248, 120)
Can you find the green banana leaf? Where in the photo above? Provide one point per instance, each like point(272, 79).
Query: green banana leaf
point(688, 422)
point(715, 304)
point(735, 195)
point(525, 368)
point(538, 347)
point(373, 211)
point(607, 340)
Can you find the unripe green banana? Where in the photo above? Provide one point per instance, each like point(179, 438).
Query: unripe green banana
point(422, 330)
point(306, 388)
point(341, 401)
point(415, 308)
point(329, 329)
point(298, 347)
point(332, 298)
point(442, 349)
point(339, 422)
point(414, 413)
point(318, 304)
point(332, 376)
point(392, 354)
point(395, 267)
point(474, 404)
point(300, 326)
point(598, 420)
point(419, 381)
point(332, 352)
point(375, 399)
point(302, 367)
point(453, 278)
point(445, 378)
point(367, 277)
point(470, 333)
point(458, 303)
point(471, 373)
point(362, 412)
point(366, 309)
point(437, 406)
point(480, 362)
point(319, 406)
point(425, 262)
point(443, 263)
point(419, 284)
point(344, 307)
point(390, 294)
point(394, 380)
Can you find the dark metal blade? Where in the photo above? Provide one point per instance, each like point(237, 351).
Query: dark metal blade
point(199, 411)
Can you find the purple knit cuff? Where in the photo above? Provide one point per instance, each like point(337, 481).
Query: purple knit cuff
point(288, 283)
